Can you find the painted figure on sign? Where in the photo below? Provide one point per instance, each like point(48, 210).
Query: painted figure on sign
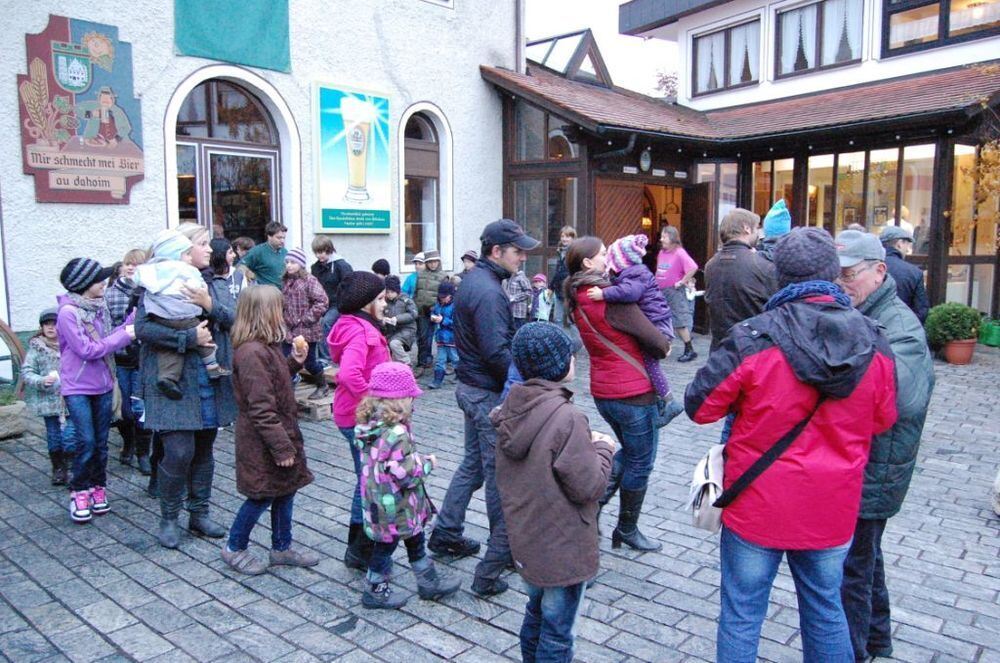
point(105, 122)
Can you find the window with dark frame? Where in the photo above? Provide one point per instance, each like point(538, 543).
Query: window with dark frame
point(539, 136)
point(914, 25)
point(818, 36)
point(421, 187)
point(726, 59)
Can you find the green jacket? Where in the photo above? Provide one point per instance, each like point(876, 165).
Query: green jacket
point(426, 294)
point(41, 360)
point(894, 453)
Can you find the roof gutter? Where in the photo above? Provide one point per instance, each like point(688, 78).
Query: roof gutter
point(621, 152)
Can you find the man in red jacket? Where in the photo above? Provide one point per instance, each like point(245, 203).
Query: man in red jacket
point(809, 357)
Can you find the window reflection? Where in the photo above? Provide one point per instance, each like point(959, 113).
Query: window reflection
point(819, 207)
point(850, 189)
point(881, 204)
point(916, 195)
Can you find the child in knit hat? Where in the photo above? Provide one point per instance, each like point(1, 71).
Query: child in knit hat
point(633, 283)
point(542, 299)
point(168, 278)
point(393, 488)
point(305, 304)
point(444, 332)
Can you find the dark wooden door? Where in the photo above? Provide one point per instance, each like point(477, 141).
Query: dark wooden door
point(698, 237)
point(618, 206)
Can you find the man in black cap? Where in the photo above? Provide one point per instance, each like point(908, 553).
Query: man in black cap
point(483, 332)
point(909, 278)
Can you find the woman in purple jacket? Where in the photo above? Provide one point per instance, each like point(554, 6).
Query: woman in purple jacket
point(87, 344)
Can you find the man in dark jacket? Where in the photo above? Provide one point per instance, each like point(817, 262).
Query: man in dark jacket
point(909, 278)
point(894, 453)
point(329, 269)
point(739, 281)
point(483, 331)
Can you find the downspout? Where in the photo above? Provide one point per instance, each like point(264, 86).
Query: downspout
point(519, 57)
point(621, 152)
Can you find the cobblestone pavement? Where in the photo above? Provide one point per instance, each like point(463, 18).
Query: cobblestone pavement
point(107, 591)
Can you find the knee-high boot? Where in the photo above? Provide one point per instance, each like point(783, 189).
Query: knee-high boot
point(156, 455)
point(614, 481)
point(627, 531)
point(199, 493)
point(143, 438)
point(172, 489)
point(126, 428)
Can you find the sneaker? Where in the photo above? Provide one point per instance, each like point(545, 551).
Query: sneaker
point(215, 372)
point(99, 500)
point(243, 561)
point(379, 597)
point(79, 506)
point(461, 547)
point(293, 557)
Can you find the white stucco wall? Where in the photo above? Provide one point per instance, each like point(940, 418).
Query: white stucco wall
point(412, 51)
point(871, 68)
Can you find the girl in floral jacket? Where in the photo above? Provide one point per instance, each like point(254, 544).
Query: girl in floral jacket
point(41, 393)
point(396, 506)
point(305, 303)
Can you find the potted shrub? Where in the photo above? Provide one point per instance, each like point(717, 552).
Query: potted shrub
point(12, 422)
point(954, 327)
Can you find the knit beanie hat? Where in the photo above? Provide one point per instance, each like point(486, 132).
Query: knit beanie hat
point(539, 278)
point(298, 256)
point(170, 245)
point(806, 254)
point(393, 380)
point(626, 251)
point(542, 350)
point(48, 315)
point(358, 290)
point(81, 273)
point(778, 221)
point(381, 267)
point(446, 288)
point(392, 284)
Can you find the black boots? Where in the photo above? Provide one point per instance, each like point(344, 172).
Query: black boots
point(58, 468)
point(627, 531)
point(689, 353)
point(172, 491)
point(143, 438)
point(199, 494)
point(126, 428)
point(359, 548)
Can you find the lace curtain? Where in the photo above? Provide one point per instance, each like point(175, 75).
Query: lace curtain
point(744, 58)
point(841, 31)
point(709, 51)
point(798, 40)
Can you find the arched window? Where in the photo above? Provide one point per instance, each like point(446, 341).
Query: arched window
point(227, 161)
point(421, 186)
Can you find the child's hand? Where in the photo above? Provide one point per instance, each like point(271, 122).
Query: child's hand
point(436, 319)
point(595, 294)
point(287, 462)
point(49, 380)
point(130, 330)
point(601, 437)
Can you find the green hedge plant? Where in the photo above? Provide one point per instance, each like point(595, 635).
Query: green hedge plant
point(952, 322)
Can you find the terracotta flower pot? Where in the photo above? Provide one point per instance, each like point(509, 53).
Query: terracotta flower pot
point(959, 352)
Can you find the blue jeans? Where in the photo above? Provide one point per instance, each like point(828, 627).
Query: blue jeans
point(59, 439)
point(865, 596)
point(380, 563)
point(635, 428)
point(328, 320)
point(249, 513)
point(356, 512)
point(445, 354)
point(478, 468)
point(748, 572)
point(91, 416)
point(547, 631)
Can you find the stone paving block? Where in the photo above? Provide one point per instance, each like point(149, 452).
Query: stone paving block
point(259, 643)
point(10, 620)
point(315, 609)
point(434, 640)
point(106, 616)
point(271, 616)
point(318, 640)
point(217, 616)
point(25, 645)
point(483, 635)
point(25, 594)
point(405, 651)
point(173, 656)
point(128, 593)
point(200, 643)
point(230, 592)
point(937, 642)
point(480, 655)
point(180, 593)
point(362, 633)
point(666, 636)
point(82, 644)
point(140, 642)
point(162, 617)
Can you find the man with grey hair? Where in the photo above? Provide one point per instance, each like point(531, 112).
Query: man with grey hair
point(864, 277)
point(738, 279)
point(909, 278)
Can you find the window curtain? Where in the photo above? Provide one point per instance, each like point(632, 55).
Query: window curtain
point(711, 61)
point(841, 30)
point(744, 58)
point(798, 40)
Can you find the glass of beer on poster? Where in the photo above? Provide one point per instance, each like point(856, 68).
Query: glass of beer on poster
point(357, 116)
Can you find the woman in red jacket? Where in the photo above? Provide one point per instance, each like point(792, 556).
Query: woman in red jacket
point(616, 335)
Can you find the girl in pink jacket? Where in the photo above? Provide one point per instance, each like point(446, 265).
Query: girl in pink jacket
point(357, 346)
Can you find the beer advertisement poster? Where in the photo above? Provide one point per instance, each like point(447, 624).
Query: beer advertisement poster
point(351, 151)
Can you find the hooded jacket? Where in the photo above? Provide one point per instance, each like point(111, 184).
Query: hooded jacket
point(894, 453)
point(770, 371)
point(86, 358)
point(550, 476)
point(358, 347)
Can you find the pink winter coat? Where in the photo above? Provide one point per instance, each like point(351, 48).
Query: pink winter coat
point(357, 346)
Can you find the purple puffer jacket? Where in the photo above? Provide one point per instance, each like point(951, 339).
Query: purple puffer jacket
point(83, 367)
point(636, 285)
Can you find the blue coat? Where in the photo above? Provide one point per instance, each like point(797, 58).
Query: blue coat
point(445, 330)
point(162, 413)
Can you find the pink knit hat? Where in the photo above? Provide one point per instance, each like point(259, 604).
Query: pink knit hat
point(626, 251)
point(393, 380)
point(539, 277)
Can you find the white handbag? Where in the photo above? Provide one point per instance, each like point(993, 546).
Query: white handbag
point(706, 487)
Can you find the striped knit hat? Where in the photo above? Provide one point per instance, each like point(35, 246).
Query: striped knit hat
point(298, 256)
point(81, 273)
point(626, 251)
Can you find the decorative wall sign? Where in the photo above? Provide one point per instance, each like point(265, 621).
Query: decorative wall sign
point(81, 127)
point(351, 130)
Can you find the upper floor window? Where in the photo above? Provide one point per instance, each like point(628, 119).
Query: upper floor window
point(913, 25)
point(727, 59)
point(817, 36)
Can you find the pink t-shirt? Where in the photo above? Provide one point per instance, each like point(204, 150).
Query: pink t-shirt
point(671, 266)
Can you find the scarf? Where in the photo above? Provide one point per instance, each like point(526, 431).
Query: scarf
point(589, 277)
point(795, 291)
point(89, 310)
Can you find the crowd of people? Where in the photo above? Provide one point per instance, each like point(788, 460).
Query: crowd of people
point(811, 341)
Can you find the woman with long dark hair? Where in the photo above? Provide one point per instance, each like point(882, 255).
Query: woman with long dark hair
point(616, 335)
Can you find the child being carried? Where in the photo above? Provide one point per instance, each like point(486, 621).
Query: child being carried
point(165, 278)
point(633, 283)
